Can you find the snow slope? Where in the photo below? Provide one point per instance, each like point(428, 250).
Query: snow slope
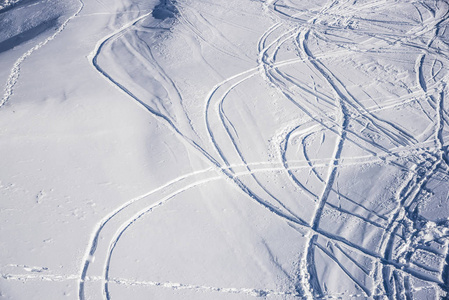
point(224, 149)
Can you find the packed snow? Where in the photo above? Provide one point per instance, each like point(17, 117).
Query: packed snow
point(224, 149)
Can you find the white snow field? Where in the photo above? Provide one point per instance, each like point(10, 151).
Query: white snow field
point(224, 149)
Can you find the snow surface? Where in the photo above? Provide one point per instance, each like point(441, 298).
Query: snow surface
point(224, 149)
point(7, 3)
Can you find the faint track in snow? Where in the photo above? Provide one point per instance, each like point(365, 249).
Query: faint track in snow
point(200, 35)
point(201, 288)
point(215, 33)
point(15, 71)
point(253, 292)
point(133, 283)
point(345, 270)
point(169, 86)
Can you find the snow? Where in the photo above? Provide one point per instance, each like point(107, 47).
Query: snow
point(4, 4)
point(224, 149)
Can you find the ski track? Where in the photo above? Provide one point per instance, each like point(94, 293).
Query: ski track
point(393, 275)
point(15, 71)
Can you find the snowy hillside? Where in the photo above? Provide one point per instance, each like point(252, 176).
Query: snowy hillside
point(7, 3)
point(224, 149)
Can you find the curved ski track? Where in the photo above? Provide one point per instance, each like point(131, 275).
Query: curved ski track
point(392, 275)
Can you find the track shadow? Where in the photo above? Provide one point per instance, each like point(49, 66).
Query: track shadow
point(27, 35)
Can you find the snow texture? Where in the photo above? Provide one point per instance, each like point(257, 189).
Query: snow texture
point(225, 149)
